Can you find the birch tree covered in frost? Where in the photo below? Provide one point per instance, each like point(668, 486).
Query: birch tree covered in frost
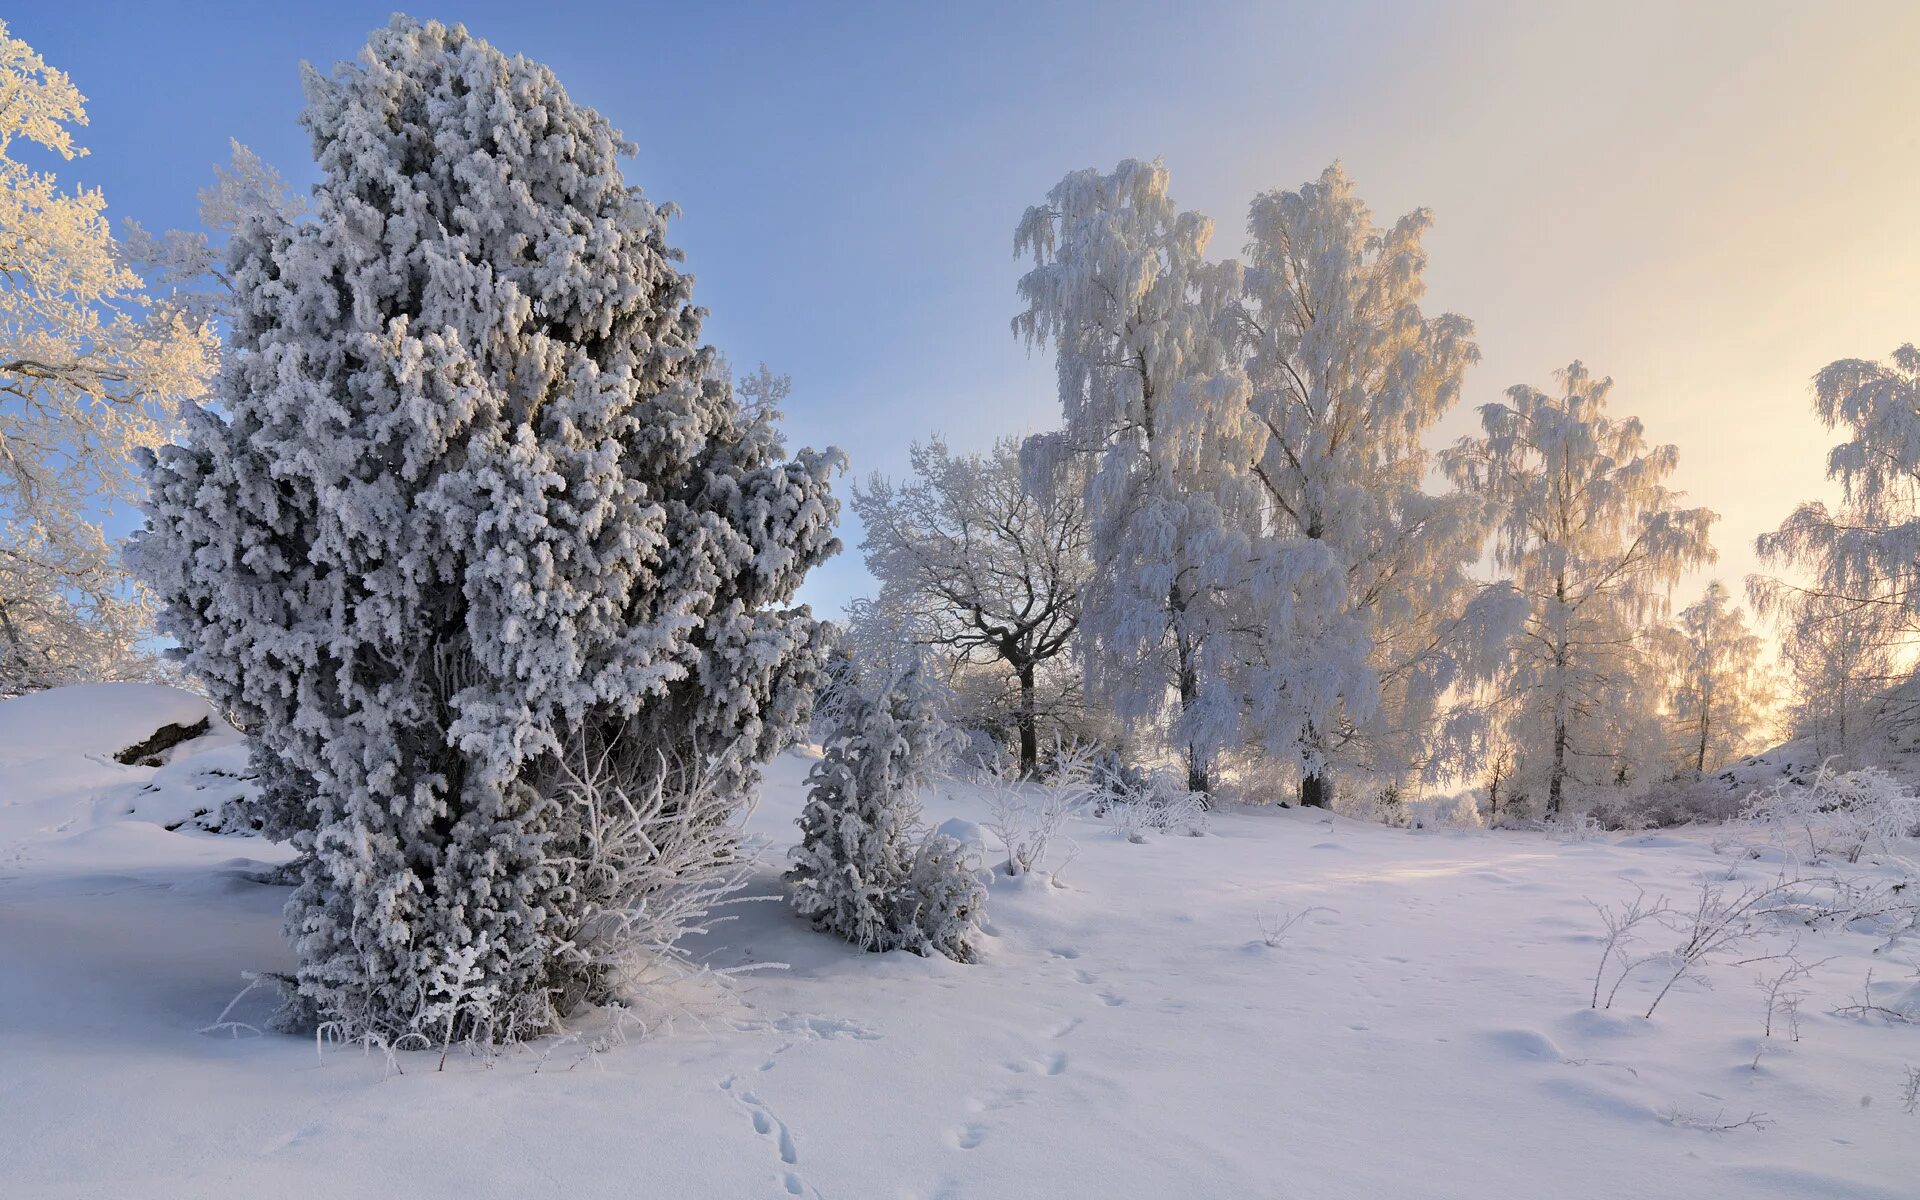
point(92, 369)
point(1852, 624)
point(1592, 537)
point(1265, 548)
point(1120, 289)
point(1721, 694)
point(475, 505)
point(1345, 379)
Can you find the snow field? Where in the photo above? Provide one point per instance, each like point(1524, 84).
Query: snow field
point(1424, 1032)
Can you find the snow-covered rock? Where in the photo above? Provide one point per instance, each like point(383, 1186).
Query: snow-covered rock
point(61, 768)
point(100, 719)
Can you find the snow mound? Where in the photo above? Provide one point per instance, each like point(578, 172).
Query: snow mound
point(94, 719)
point(62, 773)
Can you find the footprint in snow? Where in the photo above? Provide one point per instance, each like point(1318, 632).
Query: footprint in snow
point(776, 1131)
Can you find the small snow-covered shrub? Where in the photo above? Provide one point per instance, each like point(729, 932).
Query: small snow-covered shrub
point(1572, 828)
point(1164, 805)
point(938, 909)
point(1027, 817)
point(659, 851)
point(1833, 815)
point(1135, 800)
point(863, 870)
point(1114, 780)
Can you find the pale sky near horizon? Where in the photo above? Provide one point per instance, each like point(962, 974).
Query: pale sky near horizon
point(1707, 202)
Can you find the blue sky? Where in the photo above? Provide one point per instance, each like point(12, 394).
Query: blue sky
point(1707, 203)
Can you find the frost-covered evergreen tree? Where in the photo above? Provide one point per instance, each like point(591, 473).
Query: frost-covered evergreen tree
point(1592, 537)
point(864, 869)
point(1346, 377)
point(1121, 291)
point(475, 503)
point(1721, 696)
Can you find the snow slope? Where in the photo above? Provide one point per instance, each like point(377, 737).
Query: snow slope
point(1129, 1034)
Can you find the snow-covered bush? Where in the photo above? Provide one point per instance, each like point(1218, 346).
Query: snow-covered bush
point(1026, 817)
point(473, 499)
point(1572, 828)
point(657, 852)
point(1153, 801)
point(863, 869)
point(940, 904)
point(1833, 815)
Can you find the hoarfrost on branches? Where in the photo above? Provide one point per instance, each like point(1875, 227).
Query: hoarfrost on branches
point(475, 501)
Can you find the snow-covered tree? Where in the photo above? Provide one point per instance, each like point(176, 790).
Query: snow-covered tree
point(1592, 537)
point(981, 566)
point(475, 503)
point(1842, 662)
point(1346, 378)
point(1120, 289)
point(1721, 695)
point(1854, 610)
point(91, 369)
point(1868, 551)
point(864, 869)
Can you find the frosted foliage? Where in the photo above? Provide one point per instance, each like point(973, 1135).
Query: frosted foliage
point(1345, 378)
point(1267, 552)
point(1836, 816)
point(91, 369)
point(1592, 538)
point(475, 501)
point(864, 870)
point(1120, 290)
point(1869, 551)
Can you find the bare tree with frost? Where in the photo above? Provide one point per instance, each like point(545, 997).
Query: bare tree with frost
point(1840, 658)
point(980, 566)
point(1592, 537)
point(475, 502)
point(1852, 624)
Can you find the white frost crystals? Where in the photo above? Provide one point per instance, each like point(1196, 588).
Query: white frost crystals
point(475, 503)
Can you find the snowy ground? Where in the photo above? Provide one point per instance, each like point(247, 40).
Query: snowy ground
point(1129, 1034)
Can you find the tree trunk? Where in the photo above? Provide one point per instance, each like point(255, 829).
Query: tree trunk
point(1029, 731)
point(1316, 790)
point(1559, 773)
point(1197, 766)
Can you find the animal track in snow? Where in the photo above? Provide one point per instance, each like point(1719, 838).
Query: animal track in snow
point(776, 1131)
